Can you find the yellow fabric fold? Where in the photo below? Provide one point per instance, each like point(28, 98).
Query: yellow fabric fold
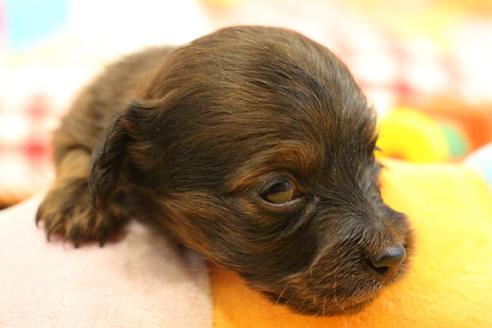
point(449, 283)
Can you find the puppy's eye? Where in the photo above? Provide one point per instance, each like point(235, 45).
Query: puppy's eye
point(280, 193)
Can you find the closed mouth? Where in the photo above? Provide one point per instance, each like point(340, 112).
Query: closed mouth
point(339, 309)
point(356, 306)
point(326, 305)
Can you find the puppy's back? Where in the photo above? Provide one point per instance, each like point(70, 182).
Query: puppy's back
point(103, 98)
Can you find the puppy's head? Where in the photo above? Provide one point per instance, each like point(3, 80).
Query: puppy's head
point(257, 147)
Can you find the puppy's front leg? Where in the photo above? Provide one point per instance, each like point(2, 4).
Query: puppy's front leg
point(67, 209)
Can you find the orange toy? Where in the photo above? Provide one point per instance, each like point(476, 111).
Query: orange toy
point(474, 121)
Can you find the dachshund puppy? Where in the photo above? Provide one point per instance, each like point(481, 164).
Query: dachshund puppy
point(253, 146)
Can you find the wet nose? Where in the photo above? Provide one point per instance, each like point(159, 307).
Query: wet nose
point(388, 262)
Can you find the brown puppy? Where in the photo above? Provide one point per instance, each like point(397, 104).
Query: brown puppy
point(253, 146)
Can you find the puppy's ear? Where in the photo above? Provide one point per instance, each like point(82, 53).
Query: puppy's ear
point(111, 155)
point(107, 163)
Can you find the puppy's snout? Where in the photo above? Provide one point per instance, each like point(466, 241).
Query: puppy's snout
point(387, 264)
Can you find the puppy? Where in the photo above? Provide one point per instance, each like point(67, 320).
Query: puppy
point(253, 146)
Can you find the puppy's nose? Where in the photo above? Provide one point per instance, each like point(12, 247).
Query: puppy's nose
point(388, 262)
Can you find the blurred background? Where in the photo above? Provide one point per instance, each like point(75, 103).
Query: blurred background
point(425, 66)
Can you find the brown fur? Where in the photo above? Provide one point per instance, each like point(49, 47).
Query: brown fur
point(190, 138)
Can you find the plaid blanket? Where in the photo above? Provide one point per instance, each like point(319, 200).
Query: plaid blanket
point(25, 153)
point(37, 86)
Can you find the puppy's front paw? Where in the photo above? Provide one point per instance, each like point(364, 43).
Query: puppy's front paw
point(67, 211)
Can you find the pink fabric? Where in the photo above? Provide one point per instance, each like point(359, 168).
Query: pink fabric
point(142, 280)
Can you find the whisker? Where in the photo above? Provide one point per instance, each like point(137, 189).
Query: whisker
point(280, 295)
point(335, 292)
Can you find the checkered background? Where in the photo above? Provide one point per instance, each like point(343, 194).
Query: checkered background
point(38, 84)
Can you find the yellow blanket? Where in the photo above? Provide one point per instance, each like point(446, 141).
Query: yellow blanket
point(450, 281)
